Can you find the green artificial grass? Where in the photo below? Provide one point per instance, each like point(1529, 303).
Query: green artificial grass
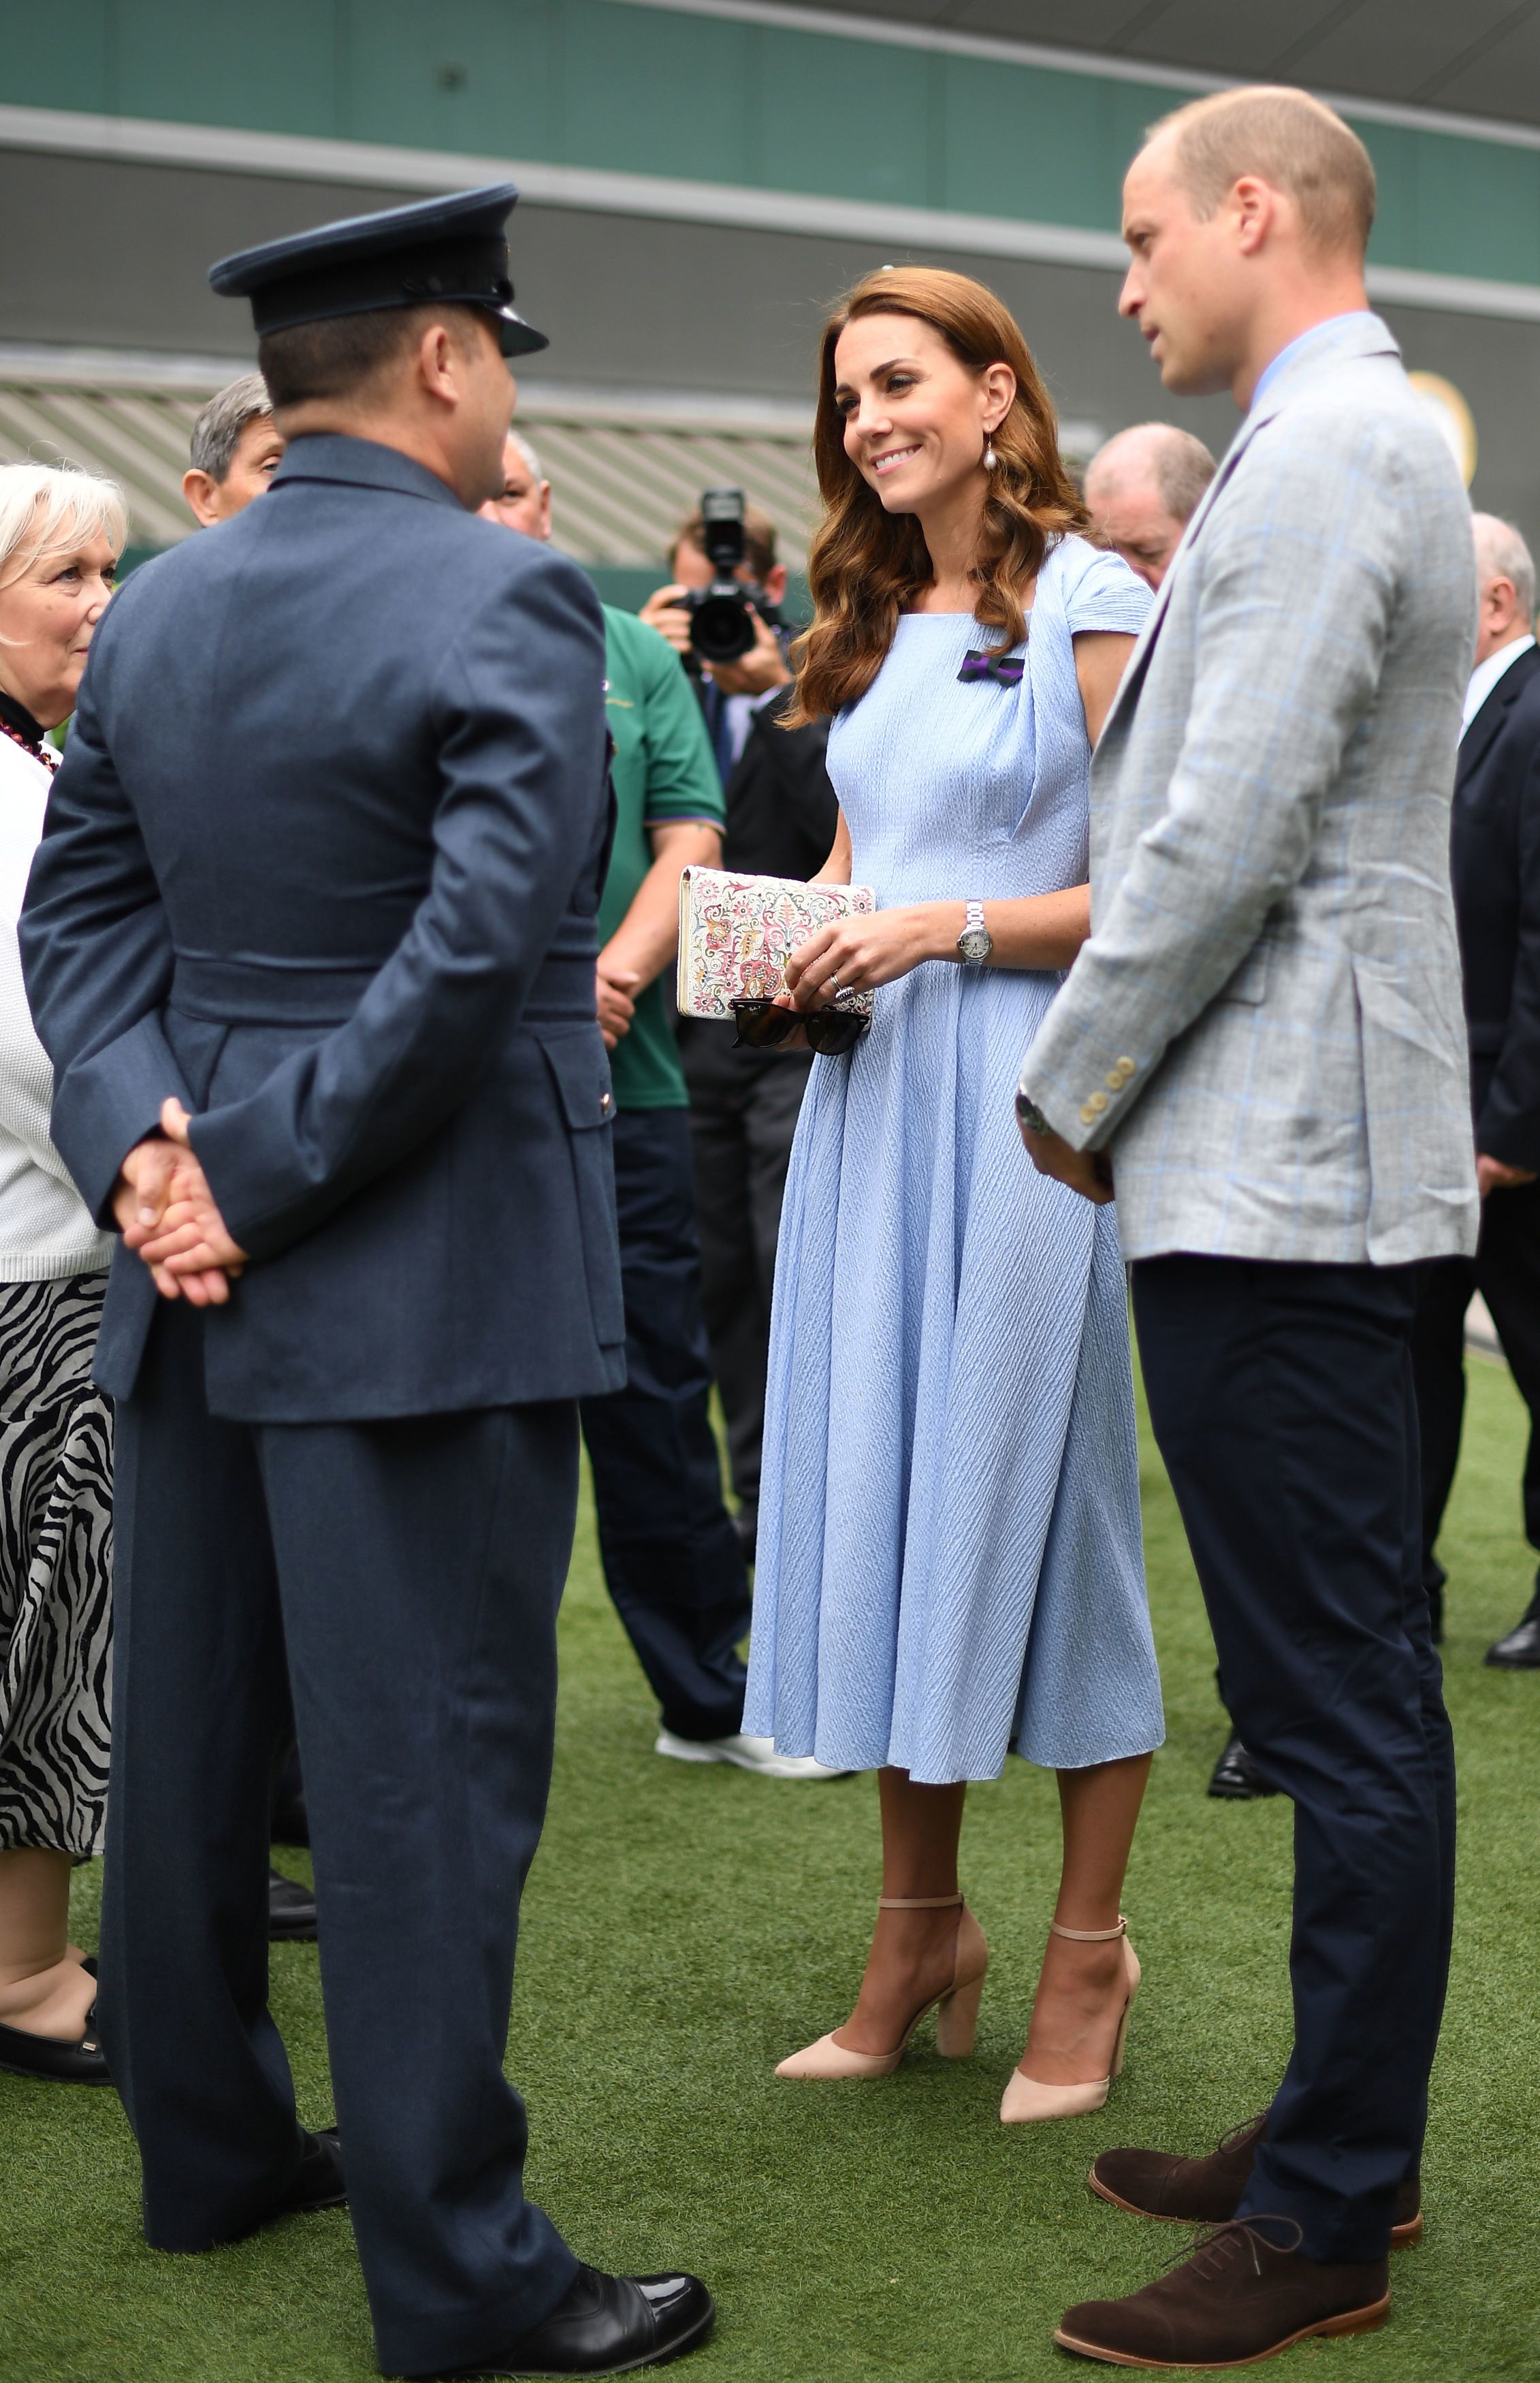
point(685, 1927)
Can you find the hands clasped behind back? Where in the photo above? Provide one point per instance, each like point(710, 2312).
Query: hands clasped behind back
point(170, 1217)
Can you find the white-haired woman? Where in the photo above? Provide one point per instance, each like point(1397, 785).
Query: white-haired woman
point(61, 533)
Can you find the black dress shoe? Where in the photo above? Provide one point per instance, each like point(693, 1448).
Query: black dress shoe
point(290, 1911)
point(1519, 1651)
point(318, 2182)
point(610, 2325)
point(1237, 1777)
point(80, 2063)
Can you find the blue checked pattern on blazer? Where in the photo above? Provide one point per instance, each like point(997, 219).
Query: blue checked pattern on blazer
point(1265, 1027)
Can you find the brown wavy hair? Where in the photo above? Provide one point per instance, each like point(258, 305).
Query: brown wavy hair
point(866, 565)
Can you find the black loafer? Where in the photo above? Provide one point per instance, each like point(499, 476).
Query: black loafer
point(290, 1911)
point(80, 2063)
point(1519, 1651)
point(1237, 1777)
point(611, 2325)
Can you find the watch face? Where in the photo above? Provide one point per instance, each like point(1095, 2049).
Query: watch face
point(976, 942)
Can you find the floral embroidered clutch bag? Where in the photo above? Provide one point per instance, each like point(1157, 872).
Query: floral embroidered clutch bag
point(736, 933)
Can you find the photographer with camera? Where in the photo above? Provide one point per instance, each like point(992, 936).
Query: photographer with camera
point(781, 821)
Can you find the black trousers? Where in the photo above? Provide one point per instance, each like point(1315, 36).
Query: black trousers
point(1506, 1270)
point(413, 1570)
point(1281, 1400)
point(672, 1557)
point(744, 1108)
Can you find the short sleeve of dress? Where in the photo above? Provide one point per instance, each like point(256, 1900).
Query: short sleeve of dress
point(1104, 593)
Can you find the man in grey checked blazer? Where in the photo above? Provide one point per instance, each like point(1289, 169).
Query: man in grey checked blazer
point(1263, 1042)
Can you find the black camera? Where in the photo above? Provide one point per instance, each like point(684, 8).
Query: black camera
point(721, 626)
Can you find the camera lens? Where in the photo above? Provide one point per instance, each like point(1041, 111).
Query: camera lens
point(720, 629)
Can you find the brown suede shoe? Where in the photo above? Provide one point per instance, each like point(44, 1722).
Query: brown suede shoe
point(1235, 2299)
point(1207, 2191)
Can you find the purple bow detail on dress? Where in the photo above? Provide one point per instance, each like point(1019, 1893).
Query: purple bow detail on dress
point(1004, 668)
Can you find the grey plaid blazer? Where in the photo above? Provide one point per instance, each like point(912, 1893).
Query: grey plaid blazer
point(1265, 1027)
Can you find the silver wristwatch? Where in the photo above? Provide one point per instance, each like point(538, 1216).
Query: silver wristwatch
point(975, 943)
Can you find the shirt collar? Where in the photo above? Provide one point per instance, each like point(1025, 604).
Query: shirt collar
point(1324, 335)
point(1484, 677)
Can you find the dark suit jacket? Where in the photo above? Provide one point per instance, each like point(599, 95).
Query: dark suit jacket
point(323, 859)
point(781, 812)
point(1496, 862)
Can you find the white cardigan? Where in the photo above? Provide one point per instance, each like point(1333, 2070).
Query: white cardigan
point(45, 1228)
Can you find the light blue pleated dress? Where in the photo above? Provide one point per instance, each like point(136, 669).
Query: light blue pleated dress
point(949, 1552)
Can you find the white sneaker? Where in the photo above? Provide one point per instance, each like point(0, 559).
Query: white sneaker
point(756, 1754)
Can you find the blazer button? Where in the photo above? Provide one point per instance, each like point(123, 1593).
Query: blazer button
point(1088, 1114)
point(1115, 1080)
point(1126, 1068)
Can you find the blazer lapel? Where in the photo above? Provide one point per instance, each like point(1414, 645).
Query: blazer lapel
point(1483, 733)
point(1139, 659)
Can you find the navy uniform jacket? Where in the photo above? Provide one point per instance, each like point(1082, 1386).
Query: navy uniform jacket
point(323, 859)
point(1495, 867)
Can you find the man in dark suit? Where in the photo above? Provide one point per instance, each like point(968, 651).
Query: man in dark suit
point(743, 1105)
point(1496, 856)
point(317, 894)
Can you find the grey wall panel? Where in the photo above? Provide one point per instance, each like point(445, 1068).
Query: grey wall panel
point(107, 254)
point(100, 253)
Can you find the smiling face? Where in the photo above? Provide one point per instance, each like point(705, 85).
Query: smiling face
point(1186, 286)
point(916, 418)
point(46, 619)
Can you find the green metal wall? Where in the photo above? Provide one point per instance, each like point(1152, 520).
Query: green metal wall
point(589, 82)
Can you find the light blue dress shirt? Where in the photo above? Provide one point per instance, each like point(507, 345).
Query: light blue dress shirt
point(1318, 334)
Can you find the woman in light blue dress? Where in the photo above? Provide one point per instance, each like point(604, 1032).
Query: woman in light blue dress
point(949, 1560)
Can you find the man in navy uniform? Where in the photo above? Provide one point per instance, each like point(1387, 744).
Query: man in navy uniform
point(311, 942)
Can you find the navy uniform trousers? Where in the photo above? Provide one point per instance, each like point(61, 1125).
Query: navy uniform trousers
point(672, 1560)
point(413, 1570)
point(1281, 1400)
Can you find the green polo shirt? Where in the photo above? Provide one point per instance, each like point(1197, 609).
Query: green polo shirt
point(663, 769)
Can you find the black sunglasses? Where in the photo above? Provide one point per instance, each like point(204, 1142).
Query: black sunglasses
point(763, 1022)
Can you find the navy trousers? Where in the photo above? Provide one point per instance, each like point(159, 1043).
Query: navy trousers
point(744, 1108)
point(413, 1570)
point(1506, 1270)
point(671, 1558)
point(1281, 1400)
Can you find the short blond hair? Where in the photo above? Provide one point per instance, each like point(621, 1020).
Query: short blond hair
point(49, 508)
point(1284, 137)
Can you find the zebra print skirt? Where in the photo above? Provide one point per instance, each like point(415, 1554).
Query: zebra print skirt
point(56, 1566)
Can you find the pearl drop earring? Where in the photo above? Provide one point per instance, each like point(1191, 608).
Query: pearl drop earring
point(991, 458)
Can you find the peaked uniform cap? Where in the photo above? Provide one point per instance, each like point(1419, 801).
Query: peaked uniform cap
point(453, 249)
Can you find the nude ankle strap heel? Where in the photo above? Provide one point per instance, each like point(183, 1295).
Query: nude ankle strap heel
point(956, 2007)
point(1027, 2098)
